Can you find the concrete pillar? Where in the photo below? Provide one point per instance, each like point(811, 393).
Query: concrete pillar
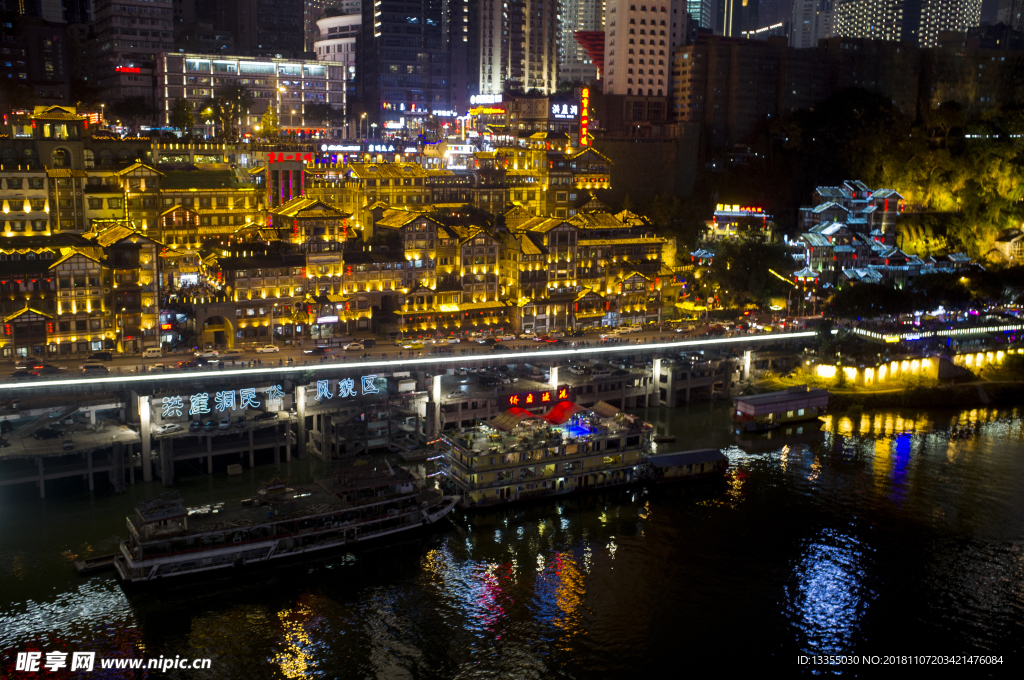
point(300, 409)
point(553, 378)
point(42, 479)
point(277, 456)
point(117, 470)
point(167, 461)
point(209, 455)
point(747, 358)
point(654, 393)
point(288, 444)
point(146, 435)
point(92, 417)
point(88, 466)
point(251, 452)
point(434, 408)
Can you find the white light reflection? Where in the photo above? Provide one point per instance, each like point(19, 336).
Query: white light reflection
point(830, 598)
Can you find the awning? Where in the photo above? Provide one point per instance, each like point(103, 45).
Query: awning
point(508, 420)
point(604, 409)
point(590, 315)
point(562, 412)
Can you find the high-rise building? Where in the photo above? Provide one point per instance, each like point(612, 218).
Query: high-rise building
point(700, 12)
point(737, 16)
point(579, 15)
point(518, 45)
point(405, 59)
point(130, 35)
point(338, 43)
point(811, 21)
point(1011, 13)
point(917, 21)
point(640, 40)
point(316, 9)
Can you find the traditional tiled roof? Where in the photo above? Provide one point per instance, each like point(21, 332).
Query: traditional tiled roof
point(137, 166)
point(815, 240)
point(26, 310)
point(300, 206)
point(395, 219)
point(829, 206)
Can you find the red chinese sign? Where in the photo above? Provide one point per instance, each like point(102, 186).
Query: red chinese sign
point(274, 157)
point(532, 399)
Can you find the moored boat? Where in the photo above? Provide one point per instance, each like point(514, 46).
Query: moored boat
point(358, 503)
point(671, 467)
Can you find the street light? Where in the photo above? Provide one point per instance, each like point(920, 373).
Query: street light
point(373, 135)
point(122, 331)
point(361, 119)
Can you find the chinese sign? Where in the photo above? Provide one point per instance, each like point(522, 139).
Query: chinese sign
point(346, 387)
point(533, 399)
point(564, 110)
point(273, 157)
point(380, 148)
point(725, 207)
point(584, 116)
point(226, 400)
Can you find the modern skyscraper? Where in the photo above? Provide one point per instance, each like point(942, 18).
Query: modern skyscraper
point(579, 15)
point(1011, 13)
point(700, 12)
point(812, 21)
point(518, 45)
point(406, 58)
point(130, 35)
point(639, 42)
point(917, 21)
point(736, 16)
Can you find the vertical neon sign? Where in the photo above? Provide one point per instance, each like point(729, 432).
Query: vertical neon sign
point(584, 116)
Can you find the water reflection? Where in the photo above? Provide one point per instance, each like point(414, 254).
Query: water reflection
point(829, 598)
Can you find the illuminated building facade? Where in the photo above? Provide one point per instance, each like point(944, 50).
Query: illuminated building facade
point(640, 40)
point(917, 21)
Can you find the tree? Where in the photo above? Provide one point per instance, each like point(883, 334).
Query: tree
point(133, 111)
point(226, 108)
point(318, 114)
point(15, 96)
point(270, 126)
point(742, 271)
point(181, 116)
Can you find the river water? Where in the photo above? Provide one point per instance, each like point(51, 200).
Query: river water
point(895, 533)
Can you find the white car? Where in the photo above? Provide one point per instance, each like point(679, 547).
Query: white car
point(455, 395)
point(686, 328)
point(224, 424)
point(207, 354)
point(635, 328)
point(232, 353)
point(454, 341)
point(266, 349)
point(169, 427)
point(354, 346)
point(557, 334)
point(476, 334)
point(527, 335)
point(506, 337)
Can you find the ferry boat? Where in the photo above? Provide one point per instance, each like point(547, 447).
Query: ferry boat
point(519, 455)
point(360, 502)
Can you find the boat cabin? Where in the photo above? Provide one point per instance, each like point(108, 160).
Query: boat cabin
point(767, 411)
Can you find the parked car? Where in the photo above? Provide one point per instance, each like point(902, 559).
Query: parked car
point(94, 368)
point(69, 445)
point(153, 353)
point(353, 346)
point(100, 356)
point(240, 422)
point(195, 426)
point(456, 394)
point(266, 415)
point(209, 425)
point(232, 353)
point(167, 427)
point(47, 433)
point(488, 381)
point(266, 349)
point(578, 369)
point(206, 354)
point(225, 423)
point(462, 371)
point(527, 335)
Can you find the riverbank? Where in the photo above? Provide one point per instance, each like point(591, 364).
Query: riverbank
point(919, 394)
